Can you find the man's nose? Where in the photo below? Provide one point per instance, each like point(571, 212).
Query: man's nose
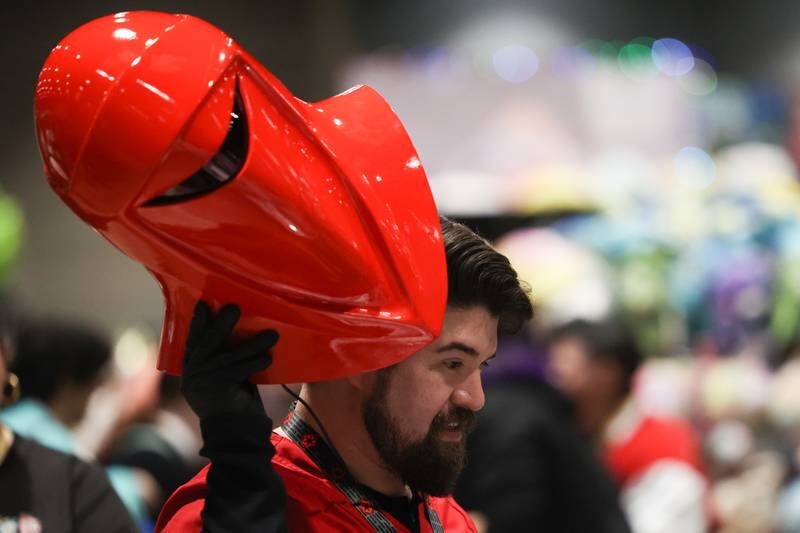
point(469, 394)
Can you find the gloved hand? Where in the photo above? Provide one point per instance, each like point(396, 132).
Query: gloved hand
point(244, 493)
point(216, 373)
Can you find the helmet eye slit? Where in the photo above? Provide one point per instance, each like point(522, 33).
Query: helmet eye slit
point(221, 168)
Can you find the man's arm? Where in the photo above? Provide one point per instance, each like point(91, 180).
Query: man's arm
point(244, 493)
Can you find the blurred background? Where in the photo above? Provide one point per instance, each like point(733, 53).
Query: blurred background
point(636, 161)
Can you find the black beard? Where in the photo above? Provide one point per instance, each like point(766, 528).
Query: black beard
point(428, 465)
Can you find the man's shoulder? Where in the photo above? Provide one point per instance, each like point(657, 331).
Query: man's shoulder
point(48, 464)
point(63, 487)
point(305, 482)
point(312, 496)
point(313, 500)
point(663, 436)
point(653, 440)
point(452, 516)
point(308, 491)
point(31, 449)
point(181, 511)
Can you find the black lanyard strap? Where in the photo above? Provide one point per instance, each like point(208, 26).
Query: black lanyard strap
point(324, 457)
point(433, 518)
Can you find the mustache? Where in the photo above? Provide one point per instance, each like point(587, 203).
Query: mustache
point(463, 417)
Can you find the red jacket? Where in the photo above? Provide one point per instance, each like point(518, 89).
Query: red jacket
point(654, 440)
point(314, 503)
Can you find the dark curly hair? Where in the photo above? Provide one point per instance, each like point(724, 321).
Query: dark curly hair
point(610, 339)
point(50, 352)
point(480, 275)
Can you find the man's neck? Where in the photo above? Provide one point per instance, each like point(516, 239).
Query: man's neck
point(344, 425)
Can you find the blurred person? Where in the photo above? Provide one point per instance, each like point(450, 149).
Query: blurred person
point(747, 477)
point(787, 506)
point(788, 511)
point(43, 490)
point(59, 365)
point(656, 462)
point(530, 468)
point(164, 444)
point(379, 450)
point(784, 411)
point(745, 451)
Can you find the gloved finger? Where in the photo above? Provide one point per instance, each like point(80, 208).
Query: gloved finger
point(220, 329)
point(232, 367)
point(256, 346)
point(200, 320)
point(261, 342)
point(245, 367)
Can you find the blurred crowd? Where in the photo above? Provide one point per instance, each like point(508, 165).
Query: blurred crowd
point(70, 390)
point(661, 373)
point(670, 323)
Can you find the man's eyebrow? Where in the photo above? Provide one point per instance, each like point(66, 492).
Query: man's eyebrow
point(459, 346)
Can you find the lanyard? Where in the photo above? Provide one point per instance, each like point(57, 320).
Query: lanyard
point(318, 451)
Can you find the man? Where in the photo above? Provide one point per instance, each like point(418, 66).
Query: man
point(60, 364)
point(655, 461)
point(317, 219)
point(376, 451)
point(529, 463)
point(42, 489)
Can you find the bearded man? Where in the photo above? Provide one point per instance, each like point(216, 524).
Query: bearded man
point(377, 451)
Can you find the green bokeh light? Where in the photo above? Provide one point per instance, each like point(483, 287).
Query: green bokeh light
point(11, 225)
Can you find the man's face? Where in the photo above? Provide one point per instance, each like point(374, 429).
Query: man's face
point(570, 367)
point(419, 411)
point(581, 377)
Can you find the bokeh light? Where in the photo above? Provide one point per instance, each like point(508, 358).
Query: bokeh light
point(515, 63)
point(693, 166)
point(635, 60)
point(672, 57)
point(701, 81)
point(567, 62)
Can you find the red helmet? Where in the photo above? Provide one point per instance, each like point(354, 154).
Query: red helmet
point(189, 156)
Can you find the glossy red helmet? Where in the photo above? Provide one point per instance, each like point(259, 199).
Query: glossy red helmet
point(192, 158)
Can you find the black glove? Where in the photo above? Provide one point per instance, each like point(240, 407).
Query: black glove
point(216, 373)
point(244, 492)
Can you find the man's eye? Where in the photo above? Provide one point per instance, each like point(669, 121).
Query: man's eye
point(453, 365)
point(485, 364)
